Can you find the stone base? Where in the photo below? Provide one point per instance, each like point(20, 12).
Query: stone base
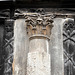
point(38, 63)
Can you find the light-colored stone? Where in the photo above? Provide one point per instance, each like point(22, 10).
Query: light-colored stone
point(20, 47)
point(38, 63)
point(56, 48)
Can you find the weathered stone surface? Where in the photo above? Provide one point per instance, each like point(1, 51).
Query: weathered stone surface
point(39, 44)
point(20, 47)
point(56, 48)
point(38, 63)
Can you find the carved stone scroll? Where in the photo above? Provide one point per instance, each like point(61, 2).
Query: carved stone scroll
point(39, 30)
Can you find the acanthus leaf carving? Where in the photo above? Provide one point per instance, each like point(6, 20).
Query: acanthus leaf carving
point(39, 24)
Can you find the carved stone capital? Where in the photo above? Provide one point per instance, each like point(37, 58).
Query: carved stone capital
point(39, 24)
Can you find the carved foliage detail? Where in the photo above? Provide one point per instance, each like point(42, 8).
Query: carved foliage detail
point(39, 24)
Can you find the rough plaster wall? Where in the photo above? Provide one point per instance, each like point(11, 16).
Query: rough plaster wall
point(20, 47)
point(56, 48)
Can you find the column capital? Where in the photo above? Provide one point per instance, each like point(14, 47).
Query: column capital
point(39, 24)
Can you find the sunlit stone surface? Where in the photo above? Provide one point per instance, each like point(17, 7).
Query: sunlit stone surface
point(38, 63)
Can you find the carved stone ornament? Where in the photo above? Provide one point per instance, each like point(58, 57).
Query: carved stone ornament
point(8, 46)
point(39, 24)
point(69, 46)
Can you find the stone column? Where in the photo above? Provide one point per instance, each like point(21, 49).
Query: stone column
point(38, 30)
